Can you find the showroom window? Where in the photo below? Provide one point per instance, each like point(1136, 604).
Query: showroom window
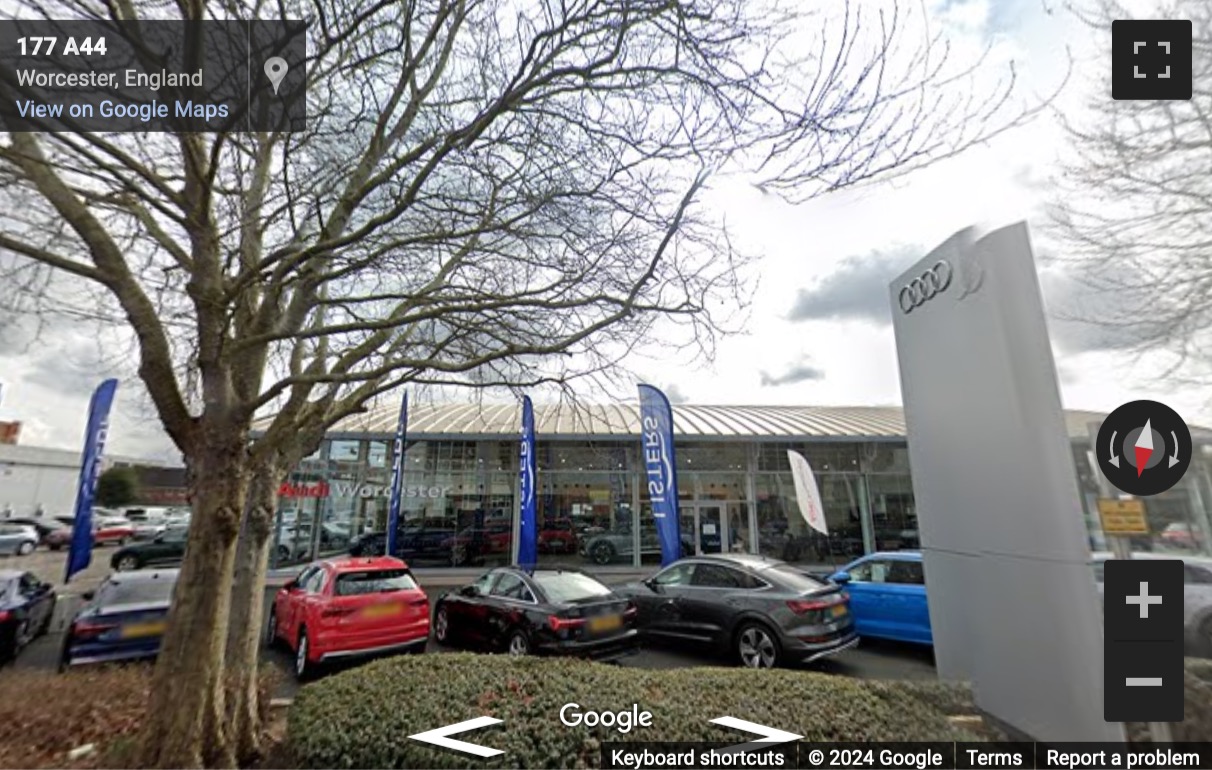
point(584, 517)
point(378, 454)
point(884, 457)
point(713, 456)
point(893, 512)
point(345, 451)
point(497, 455)
point(783, 533)
point(582, 456)
point(823, 456)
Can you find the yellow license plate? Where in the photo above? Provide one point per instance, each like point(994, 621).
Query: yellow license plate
point(383, 610)
point(605, 623)
point(137, 630)
point(838, 610)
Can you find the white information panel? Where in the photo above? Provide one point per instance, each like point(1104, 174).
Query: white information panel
point(1013, 602)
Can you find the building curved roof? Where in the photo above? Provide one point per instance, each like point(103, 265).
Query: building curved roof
point(589, 421)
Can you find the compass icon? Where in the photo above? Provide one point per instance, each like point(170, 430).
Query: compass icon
point(1144, 448)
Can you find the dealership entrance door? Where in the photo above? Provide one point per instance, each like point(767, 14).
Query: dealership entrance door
point(703, 527)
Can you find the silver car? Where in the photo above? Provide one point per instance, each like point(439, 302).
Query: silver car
point(19, 539)
point(618, 545)
point(1197, 597)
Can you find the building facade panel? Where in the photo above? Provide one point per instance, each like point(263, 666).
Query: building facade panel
point(460, 492)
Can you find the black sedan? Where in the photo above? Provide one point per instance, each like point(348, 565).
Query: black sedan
point(166, 549)
point(762, 610)
point(26, 608)
point(560, 612)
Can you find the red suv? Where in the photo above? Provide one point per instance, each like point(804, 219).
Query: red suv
point(557, 536)
point(350, 607)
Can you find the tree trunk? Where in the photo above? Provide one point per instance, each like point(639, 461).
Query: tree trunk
point(186, 718)
point(246, 626)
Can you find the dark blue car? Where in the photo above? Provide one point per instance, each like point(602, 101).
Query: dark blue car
point(26, 607)
point(123, 619)
point(888, 596)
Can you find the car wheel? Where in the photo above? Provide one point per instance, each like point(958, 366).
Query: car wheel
point(602, 553)
point(23, 636)
point(127, 563)
point(271, 629)
point(303, 667)
point(458, 557)
point(519, 643)
point(441, 626)
point(26, 548)
point(757, 646)
point(55, 547)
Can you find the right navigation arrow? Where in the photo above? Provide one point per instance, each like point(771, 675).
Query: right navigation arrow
point(769, 735)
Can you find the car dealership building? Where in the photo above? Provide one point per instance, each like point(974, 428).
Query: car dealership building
point(460, 487)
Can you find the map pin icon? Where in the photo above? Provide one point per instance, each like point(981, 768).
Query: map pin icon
point(275, 70)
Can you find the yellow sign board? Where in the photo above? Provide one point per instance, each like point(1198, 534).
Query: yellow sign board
point(1123, 517)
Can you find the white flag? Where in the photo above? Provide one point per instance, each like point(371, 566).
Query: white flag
point(806, 493)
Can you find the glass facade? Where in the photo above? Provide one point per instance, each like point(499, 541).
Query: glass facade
point(459, 503)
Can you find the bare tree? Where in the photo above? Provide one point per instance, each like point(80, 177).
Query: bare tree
point(488, 193)
point(1133, 204)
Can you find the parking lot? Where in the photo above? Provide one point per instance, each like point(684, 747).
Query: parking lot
point(870, 660)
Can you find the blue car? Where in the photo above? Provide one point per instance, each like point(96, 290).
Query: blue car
point(888, 596)
point(123, 619)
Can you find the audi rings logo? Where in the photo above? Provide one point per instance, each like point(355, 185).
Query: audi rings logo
point(926, 286)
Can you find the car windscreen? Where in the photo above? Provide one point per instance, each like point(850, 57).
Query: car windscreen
point(135, 591)
point(793, 578)
point(374, 582)
point(563, 587)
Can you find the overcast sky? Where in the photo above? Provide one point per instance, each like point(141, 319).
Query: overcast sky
point(820, 329)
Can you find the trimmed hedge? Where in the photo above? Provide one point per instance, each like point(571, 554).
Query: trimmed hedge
point(363, 717)
point(948, 698)
point(1200, 668)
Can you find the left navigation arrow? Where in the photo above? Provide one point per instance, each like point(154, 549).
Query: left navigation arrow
point(438, 737)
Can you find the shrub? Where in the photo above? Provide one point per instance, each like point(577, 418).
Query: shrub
point(949, 698)
point(1200, 668)
point(363, 717)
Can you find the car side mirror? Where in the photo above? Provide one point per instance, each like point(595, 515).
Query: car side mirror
point(841, 578)
point(469, 591)
point(291, 585)
point(652, 585)
point(88, 596)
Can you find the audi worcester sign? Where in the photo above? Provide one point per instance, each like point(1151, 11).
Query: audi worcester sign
point(322, 490)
